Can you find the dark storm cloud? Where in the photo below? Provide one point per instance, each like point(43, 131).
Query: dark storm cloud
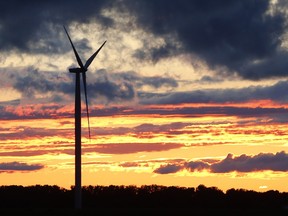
point(243, 36)
point(123, 85)
point(24, 24)
point(113, 86)
point(209, 79)
point(240, 35)
point(116, 87)
point(233, 95)
point(34, 82)
point(155, 81)
point(113, 91)
point(19, 166)
point(242, 163)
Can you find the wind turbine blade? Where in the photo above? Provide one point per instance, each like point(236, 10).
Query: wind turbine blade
point(89, 61)
point(86, 101)
point(75, 51)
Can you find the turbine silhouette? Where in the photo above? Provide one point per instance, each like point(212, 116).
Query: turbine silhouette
point(80, 70)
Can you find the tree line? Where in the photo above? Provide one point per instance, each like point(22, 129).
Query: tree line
point(146, 196)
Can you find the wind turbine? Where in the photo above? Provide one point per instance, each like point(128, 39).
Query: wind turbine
point(80, 70)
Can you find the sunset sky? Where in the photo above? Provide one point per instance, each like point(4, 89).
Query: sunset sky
point(183, 92)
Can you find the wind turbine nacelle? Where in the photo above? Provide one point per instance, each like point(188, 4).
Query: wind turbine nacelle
point(77, 70)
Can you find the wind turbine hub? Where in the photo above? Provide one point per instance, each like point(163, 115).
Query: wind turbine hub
point(77, 70)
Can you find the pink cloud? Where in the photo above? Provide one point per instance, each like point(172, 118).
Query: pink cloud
point(129, 148)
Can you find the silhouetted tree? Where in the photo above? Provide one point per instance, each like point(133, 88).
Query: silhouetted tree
point(146, 196)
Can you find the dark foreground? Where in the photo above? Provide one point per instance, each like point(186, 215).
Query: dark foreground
point(145, 200)
point(142, 211)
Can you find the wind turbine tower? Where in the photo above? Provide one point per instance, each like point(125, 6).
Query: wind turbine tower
point(78, 71)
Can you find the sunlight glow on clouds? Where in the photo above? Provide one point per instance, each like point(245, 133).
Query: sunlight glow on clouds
point(195, 90)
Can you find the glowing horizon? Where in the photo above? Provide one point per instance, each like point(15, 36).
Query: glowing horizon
point(155, 152)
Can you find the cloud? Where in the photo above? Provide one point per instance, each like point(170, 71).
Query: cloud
point(32, 84)
point(232, 95)
point(25, 132)
point(112, 90)
point(117, 87)
point(33, 110)
point(29, 153)
point(209, 79)
point(41, 21)
point(68, 148)
point(19, 111)
point(33, 151)
point(112, 87)
point(124, 85)
point(19, 166)
point(174, 166)
point(145, 130)
point(130, 164)
point(197, 166)
point(164, 128)
point(130, 148)
point(169, 168)
point(140, 81)
point(43, 94)
point(242, 36)
point(244, 163)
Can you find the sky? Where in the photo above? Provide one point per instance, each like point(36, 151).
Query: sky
point(183, 93)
